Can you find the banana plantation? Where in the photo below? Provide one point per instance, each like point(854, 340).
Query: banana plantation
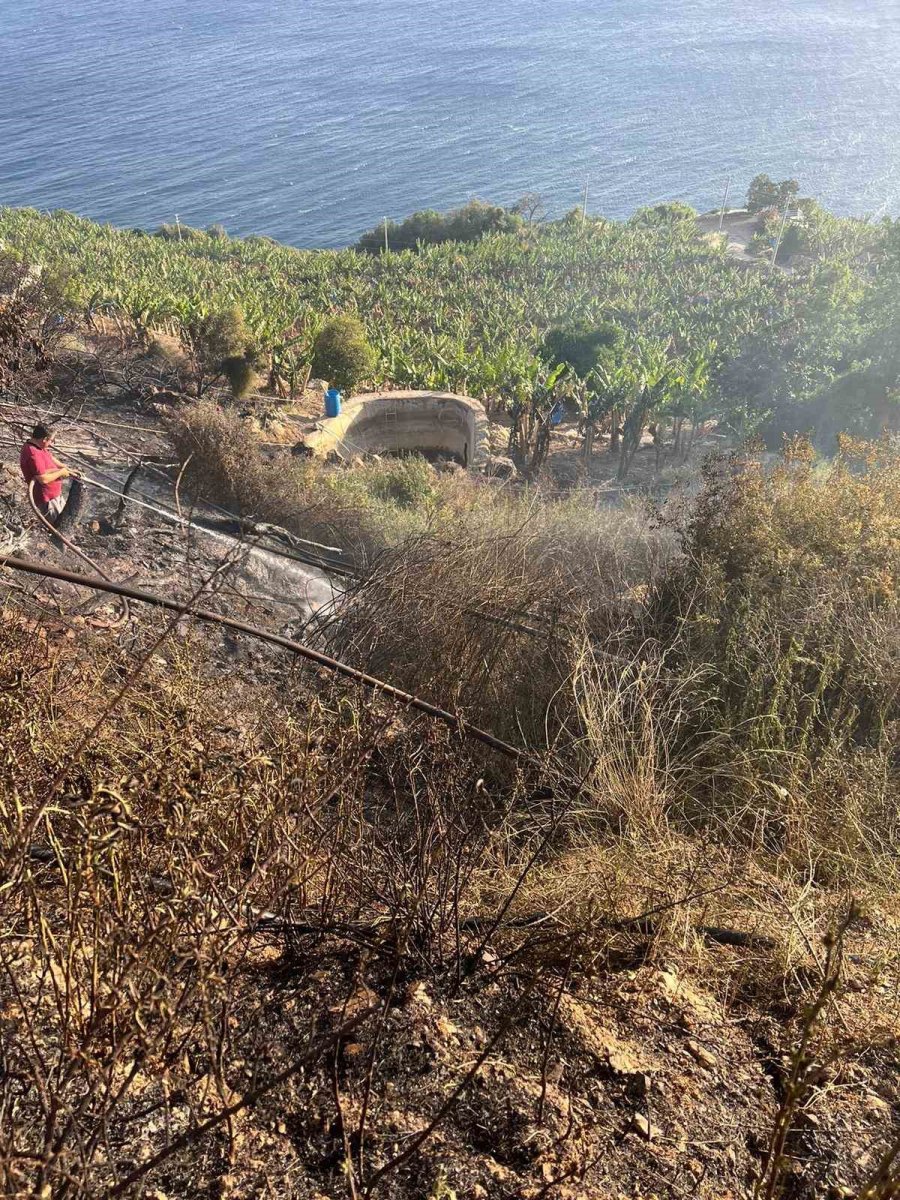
point(703, 337)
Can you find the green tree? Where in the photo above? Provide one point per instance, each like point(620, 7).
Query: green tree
point(655, 375)
point(342, 353)
point(581, 346)
point(217, 339)
point(674, 212)
point(593, 354)
point(239, 370)
point(429, 228)
point(766, 193)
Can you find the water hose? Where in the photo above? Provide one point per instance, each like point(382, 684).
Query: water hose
point(56, 535)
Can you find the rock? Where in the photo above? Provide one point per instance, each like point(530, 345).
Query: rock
point(621, 1057)
point(877, 1106)
point(703, 1056)
point(686, 998)
point(498, 466)
point(621, 1061)
point(641, 1124)
point(418, 994)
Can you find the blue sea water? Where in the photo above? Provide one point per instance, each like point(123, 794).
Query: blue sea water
point(310, 120)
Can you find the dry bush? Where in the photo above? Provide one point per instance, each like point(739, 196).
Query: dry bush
point(151, 849)
point(201, 893)
point(360, 510)
point(485, 612)
point(785, 606)
point(34, 322)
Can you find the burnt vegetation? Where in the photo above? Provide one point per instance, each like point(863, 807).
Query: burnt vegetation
point(268, 933)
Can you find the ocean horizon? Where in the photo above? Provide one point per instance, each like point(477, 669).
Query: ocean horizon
point(311, 123)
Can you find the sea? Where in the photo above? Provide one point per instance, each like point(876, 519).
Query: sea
point(312, 120)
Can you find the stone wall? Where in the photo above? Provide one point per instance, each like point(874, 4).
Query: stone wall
point(391, 422)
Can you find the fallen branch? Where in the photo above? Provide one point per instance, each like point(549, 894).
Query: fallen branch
point(453, 720)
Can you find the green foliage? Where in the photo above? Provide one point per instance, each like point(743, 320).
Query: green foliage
point(472, 316)
point(342, 354)
point(407, 482)
point(222, 334)
point(239, 372)
point(179, 233)
point(220, 345)
point(673, 212)
point(217, 232)
point(467, 224)
point(766, 193)
point(582, 346)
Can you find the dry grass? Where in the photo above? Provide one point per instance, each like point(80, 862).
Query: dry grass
point(234, 910)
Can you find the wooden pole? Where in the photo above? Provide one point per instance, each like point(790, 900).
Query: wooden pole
point(784, 217)
point(724, 203)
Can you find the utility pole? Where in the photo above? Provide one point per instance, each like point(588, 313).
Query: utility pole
point(724, 203)
point(784, 217)
point(387, 247)
point(584, 204)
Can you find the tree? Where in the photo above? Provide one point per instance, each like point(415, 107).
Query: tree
point(592, 353)
point(342, 353)
point(672, 213)
point(532, 400)
point(766, 193)
point(239, 370)
point(581, 346)
point(467, 224)
point(530, 207)
point(654, 375)
point(217, 342)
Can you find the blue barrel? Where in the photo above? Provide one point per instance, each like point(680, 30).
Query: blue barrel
point(332, 402)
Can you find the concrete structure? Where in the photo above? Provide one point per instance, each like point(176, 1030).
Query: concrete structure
point(391, 422)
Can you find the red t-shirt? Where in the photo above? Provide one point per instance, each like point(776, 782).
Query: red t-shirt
point(35, 461)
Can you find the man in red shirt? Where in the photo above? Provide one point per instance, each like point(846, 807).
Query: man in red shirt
point(38, 464)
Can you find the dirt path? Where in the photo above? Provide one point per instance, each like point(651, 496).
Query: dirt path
point(740, 227)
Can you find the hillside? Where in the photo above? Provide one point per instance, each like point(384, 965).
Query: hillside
point(270, 930)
